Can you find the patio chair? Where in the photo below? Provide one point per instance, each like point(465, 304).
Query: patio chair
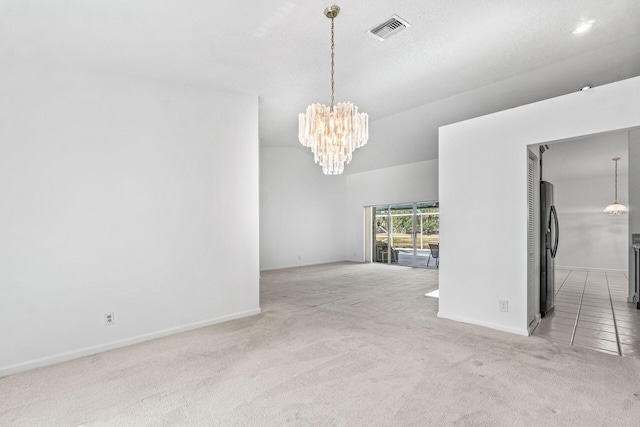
point(382, 254)
point(435, 248)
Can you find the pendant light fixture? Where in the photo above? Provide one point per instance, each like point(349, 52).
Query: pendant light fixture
point(333, 133)
point(616, 208)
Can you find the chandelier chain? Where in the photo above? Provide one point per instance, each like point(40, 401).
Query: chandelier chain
point(332, 65)
point(616, 160)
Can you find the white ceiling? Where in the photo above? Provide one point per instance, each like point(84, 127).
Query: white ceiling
point(587, 157)
point(462, 58)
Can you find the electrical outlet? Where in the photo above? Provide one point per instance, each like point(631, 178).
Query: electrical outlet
point(354, 253)
point(109, 319)
point(299, 257)
point(504, 306)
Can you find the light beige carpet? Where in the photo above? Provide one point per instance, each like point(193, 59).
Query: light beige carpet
point(342, 344)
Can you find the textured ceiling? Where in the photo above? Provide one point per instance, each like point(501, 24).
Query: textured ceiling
point(485, 55)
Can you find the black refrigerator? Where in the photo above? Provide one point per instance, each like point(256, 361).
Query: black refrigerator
point(548, 247)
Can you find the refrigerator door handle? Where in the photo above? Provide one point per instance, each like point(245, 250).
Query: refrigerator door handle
point(554, 250)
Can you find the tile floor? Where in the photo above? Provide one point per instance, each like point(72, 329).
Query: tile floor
point(591, 310)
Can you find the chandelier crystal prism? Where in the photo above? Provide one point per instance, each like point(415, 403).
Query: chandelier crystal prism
point(616, 208)
point(334, 132)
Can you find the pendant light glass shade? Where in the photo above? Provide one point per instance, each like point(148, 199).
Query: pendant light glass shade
point(333, 132)
point(616, 208)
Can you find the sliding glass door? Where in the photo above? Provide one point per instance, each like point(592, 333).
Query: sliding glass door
point(381, 232)
point(427, 234)
point(404, 233)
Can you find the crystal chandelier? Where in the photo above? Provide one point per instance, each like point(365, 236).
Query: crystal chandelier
point(616, 208)
point(333, 133)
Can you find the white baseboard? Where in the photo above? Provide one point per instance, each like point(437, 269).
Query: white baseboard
point(310, 264)
point(502, 328)
point(88, 351)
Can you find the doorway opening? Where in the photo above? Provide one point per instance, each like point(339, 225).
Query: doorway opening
point(591, 286)
point(406, 234)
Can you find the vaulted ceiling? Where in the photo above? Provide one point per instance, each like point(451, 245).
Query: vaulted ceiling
point(459, 59)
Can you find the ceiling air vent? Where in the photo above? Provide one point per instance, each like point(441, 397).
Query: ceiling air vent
point(389, 28)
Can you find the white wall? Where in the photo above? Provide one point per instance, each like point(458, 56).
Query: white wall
point(589, 238)
point(308, 218)
point(126, 196)
point(301, 210)
point(634, 201)
point(483, 200)
point(414, 182)
point(583, 176)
